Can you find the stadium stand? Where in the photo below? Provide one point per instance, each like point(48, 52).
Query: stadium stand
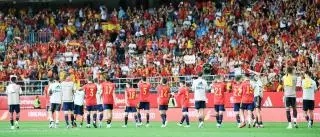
point(174, 39)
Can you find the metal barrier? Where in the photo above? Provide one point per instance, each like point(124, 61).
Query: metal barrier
point(155, 81)
point(36, 87)
point(30, 37)
point(29, 87)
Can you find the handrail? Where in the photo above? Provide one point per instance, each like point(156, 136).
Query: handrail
point(30, 37)
point(36, 87)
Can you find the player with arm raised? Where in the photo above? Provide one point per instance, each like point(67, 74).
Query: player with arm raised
point(144, 103)
point(13, 92)
point(247, 102)
point(55, 102)
point(163, 100)
point(109, 95)
point(309, 87)
point(99, 106)
point(78, 105)
point(289, 83)
point(130, 98)
point(184, 95)
point(200, 86)
point(68, 88)
point(218, 89)
point(90, 90)
point(236, 98)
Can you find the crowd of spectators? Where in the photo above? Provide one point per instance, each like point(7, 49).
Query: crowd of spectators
point(225, 38)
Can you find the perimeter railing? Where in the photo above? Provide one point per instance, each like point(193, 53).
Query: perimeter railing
point(29, 87)
point(36, 87)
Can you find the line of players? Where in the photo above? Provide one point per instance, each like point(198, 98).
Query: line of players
point(246, 97)
point(100, 97)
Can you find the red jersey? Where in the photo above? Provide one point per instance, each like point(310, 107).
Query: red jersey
point(144, 91)
point(237, 93)
point(46, 93)
point(108, 89)
point(164, 94)
point(219, 89)
point(184, 94)
point(247, 94)
point(90, 91)
point(131, 96)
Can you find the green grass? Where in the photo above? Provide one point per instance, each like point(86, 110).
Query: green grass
point(40, 129)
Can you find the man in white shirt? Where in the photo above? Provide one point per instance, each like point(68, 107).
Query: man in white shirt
point(189, 59)
point(68, 88)
point(99, 106)
point(81, 14)
point(238, 70)
point(257, 87)
point(103, 13)
point(283, 23)
point(78, 105)
point(75, 57)
point(132, 47)
point(200, 86)
point(290, 95)
point(68, 57)
point(55, 101)
point(309, 88)
point(109, 46)
point(13, 92)
point(186, 23)
point(96, 70)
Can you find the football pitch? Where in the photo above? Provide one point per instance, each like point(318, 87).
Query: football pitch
point(40, 129)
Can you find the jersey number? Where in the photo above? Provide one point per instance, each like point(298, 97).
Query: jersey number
point(144, 91)
point(164, 93)
point(249, 90)
point(91, 92)
point(217, 91)
point(238, 92)
point(108, 90)
point(132, 95)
